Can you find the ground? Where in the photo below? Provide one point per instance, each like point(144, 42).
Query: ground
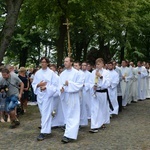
point(130, 130)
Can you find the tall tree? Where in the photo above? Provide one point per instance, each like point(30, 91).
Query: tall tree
point(12, 12)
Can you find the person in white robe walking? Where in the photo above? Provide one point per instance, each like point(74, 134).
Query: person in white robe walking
point(134, 89)
point(87, 90)
point(70, 85)
point(44, 86)
point(83, 112)
point(131, 67)
point(119, 91)
point(126, 76)
point(142, 74)
point(112, 89)
point(99, 103)
point(148, 80)
point(57, 113)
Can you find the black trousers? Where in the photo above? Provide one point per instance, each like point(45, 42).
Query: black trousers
point(120, 103)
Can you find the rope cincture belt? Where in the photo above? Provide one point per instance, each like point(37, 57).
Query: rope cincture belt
point(106, 91)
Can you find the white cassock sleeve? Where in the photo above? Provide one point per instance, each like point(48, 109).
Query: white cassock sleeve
point(50, 89)
point(135, 73)
point(144, 73)
point(88, 82)
point(50, 86)
point(56, 83)
point(75, 85)
point(114, 81)
point(130, 75)
point(105, 80)
point(34, 84)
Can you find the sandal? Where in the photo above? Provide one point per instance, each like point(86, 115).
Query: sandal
point(103, 127)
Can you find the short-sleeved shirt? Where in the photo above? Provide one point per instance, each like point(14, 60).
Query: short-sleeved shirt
point(13, 83)
point(24, 80)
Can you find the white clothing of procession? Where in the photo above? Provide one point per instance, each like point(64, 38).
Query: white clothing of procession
point(112, 89)
point(142, 85)
point(148, 84)
point(125, 71)
point(83, 114)
point(134, 89)
point(86, 94)
point(130, 85)
point(71, 101)
point(119, 92)
point(99, 104)
point(45, 98)
point(58, 118)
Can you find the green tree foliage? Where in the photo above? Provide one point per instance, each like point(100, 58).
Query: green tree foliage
point(112, 29)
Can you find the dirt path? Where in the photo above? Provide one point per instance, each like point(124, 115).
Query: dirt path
point(128, 131)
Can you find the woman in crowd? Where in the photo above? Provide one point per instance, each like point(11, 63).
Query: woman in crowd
point(24, 79)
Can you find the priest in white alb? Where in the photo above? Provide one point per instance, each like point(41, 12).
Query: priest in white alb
point(57, 113)
point(134, 88)
point(142, 85)
point(112, 89)
point(44, 86)
point(70, 85)
point(126, 77)
point(119, 92)
point(87, 90)
point(83, 112)
point(148, 81)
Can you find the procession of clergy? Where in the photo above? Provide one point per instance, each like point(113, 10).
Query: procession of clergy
point(77, 95)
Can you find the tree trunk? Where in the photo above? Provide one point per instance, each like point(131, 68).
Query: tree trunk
point(122, 54)
point(61, 40)
point(13, 8)
point(148, 48)
point(85, 48)
point(85, 52)
point(123, 47)
point(23, 57)
point(79, 46)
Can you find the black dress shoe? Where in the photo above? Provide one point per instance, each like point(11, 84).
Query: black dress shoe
point(93, 131)
point(39, 127)
point(65, 139)
point(41, 137)
point(133, 101)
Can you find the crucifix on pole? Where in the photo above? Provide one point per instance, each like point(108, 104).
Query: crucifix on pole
point(68, 35)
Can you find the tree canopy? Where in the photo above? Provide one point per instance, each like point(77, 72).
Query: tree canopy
point(112, 29)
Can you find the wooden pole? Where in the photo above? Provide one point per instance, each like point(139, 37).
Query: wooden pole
point(68, 35)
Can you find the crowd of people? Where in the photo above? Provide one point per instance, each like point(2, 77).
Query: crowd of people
point(69, 96)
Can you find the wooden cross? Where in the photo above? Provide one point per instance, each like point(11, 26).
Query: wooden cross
point(68, 34)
